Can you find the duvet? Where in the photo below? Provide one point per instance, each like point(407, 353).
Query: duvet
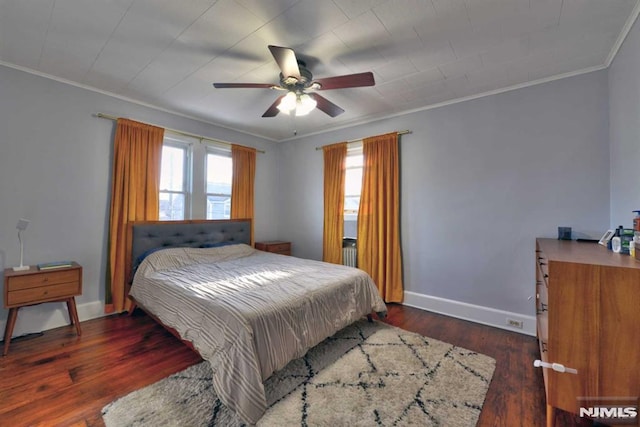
point(248, 312)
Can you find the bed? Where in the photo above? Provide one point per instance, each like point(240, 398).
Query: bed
point(247, 312)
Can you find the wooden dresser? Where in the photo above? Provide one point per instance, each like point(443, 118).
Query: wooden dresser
point(275, 246)
point(33, 286)
point(588, 319)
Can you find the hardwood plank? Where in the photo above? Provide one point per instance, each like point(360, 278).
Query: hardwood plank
point(119, 354)
point(27, 393)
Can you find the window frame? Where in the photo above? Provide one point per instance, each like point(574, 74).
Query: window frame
point(354, 149)
point(221, 151)
point(170, 141)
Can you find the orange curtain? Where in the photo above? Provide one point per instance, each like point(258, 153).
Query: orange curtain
point(378, 243)
point(242, 182)
point(137, 155)
point(335, 156)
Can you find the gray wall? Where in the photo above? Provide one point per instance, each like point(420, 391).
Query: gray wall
point(624, 134)
point(55, 167)
point(479, 181)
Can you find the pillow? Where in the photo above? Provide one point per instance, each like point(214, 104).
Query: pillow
point(217, 244)
point(141, 258)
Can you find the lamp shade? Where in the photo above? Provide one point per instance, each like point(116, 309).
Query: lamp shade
point(301, 103)
point(21, 226)
point(305, 105)
point(288, 103)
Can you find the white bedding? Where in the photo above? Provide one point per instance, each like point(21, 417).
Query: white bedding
point(250, 312)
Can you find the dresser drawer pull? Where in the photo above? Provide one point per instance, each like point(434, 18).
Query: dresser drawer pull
point(558, 367)
point(542, 263)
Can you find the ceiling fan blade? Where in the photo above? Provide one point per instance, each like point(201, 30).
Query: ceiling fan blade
point(349, 80)
point(287, 61)
point(273, 111)
point(245, 85)
point(323, 104)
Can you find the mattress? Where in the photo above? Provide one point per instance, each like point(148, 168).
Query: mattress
point(250, 312)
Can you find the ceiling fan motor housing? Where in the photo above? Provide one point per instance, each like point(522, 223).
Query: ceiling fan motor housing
point(293, 83)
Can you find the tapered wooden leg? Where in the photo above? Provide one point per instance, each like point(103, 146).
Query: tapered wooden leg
point(132, 308)
point(73, 314)
point(551, 416)
point(8, 330)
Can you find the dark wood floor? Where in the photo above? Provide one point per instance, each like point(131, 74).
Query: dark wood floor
point(60, 379)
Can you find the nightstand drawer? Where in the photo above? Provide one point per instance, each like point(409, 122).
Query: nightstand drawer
point(280, 247)
point(29, 281)
point(276, 247)
point(43, 293)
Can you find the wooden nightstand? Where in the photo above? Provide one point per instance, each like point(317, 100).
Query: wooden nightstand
point(33, 286)
point(275, 246)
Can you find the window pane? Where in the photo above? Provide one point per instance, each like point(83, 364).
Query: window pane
point(172, 168)
point(171, 206)
point(353, 182)
point(355, 160)
point(219, 172)
point(218, 207)
point(351, 204)
point(351, 226)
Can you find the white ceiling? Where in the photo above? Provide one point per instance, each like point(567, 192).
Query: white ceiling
point(166, 53)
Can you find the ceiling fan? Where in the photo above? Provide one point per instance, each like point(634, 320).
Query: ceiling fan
point(296, 79)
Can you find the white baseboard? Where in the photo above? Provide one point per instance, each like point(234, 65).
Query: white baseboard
point(38, 318)
point(474, 313)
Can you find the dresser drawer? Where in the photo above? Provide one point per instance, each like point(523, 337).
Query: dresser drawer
point(29, 281)
point(43, 293)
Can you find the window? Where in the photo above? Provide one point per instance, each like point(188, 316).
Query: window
point(353, 187)
point(218, 184)
point(195, 179)
point(174, 173)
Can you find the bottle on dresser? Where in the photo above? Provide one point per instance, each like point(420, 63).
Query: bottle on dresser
point(616, 242)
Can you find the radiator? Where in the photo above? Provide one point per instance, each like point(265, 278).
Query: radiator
point(350, 256)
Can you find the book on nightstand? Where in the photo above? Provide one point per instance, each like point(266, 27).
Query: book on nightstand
point(54, 265)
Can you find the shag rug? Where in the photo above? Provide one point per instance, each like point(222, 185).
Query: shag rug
point(366, 375)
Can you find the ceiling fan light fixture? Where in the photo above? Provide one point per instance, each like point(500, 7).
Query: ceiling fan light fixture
point(301, 104)
point(288, 103)
point(305, 104)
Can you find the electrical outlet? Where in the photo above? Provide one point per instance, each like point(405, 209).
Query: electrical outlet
point(515, 323)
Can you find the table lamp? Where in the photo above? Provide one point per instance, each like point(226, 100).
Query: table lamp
point(22, 225)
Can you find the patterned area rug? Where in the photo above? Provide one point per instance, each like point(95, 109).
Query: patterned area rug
point(366, 375)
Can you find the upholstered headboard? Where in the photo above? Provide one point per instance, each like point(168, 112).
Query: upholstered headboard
point(145, 235)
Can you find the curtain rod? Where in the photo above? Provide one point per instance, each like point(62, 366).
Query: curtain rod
point(179, 132)
point(400, 132)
